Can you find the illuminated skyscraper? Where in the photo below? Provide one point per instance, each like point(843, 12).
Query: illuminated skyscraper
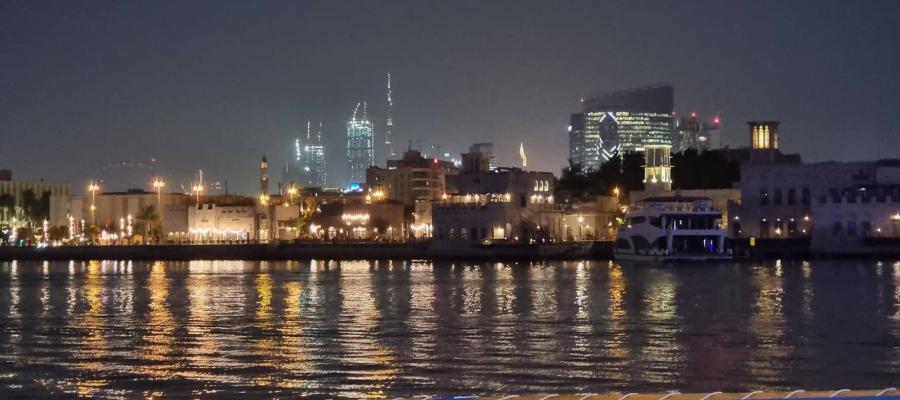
point(623, 121)
point(360, 144)
point(310, 161)
point(389, 123)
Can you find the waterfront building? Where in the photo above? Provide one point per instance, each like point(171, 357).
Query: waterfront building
point(505, 204)
point(360, 145)
point(28, 203)
point(310, 163)
point(486, 152)
point(112, 209)
point(383, 220)
point(780, 195)
point(591, 219)
point(622, 121)
point(859, 220)
point(217, 223)
point(410, 179)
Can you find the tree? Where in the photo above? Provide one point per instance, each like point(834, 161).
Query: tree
point(58, 233)
point(7, 206)
point(710, 169)
point(147, 222)
point(625, 172)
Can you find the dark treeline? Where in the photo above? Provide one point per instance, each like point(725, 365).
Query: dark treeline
point(691, 169)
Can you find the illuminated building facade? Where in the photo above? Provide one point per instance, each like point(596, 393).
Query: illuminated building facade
point(360, 145)
point(507, 204)
point(310, 163)
point(623, 121)
point(410, 179)
point(763, 141)
point(658, 168)
point(389, 123)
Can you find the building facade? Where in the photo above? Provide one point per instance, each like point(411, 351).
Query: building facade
point(24, 203)
point(410, 179)
point(310, 164)
point(623, 121)
point(360, 145)
point(507, 204)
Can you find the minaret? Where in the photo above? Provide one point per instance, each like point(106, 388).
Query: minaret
point(389, 122)
point(264, 177)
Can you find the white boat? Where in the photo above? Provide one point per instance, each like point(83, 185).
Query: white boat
point(672, 228)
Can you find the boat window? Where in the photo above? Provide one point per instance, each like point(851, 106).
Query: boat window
point(623, 244)
point(637, 220)
point(655, 221)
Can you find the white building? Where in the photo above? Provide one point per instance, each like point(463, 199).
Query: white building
point(221, 223)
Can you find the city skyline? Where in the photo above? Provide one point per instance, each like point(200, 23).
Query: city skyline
point(223, 83)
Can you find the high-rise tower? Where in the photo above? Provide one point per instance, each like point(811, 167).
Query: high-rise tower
point(360, 144)
point(389, 122)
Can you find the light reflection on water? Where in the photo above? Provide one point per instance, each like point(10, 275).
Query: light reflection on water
point(382, 329)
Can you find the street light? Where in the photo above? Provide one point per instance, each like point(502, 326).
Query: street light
point(93, 188)
point(292, 191)
point(158, 184)
point(198, 189)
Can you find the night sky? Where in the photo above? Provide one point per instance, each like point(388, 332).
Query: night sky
point(215, 85)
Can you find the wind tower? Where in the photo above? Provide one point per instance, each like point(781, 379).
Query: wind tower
point(389, 122)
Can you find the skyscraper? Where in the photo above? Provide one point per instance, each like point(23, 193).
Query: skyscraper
point(622, 121)
point(389, 123)
point(360, 144)
point(310, 163)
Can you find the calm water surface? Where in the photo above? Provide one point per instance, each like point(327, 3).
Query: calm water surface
point(375, 329)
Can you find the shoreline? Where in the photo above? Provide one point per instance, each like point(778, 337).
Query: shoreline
point(597, 250)
point(296, 251)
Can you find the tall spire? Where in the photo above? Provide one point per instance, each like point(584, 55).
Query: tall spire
point(522, 154)
point(307, 130)
point(389, 119)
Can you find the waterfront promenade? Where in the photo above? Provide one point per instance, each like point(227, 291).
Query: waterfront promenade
point(291, 251)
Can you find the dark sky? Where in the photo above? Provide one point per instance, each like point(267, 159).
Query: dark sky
point(214, 85)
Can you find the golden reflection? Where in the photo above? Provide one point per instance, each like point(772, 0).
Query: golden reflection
point(767, 323)
point(93, 345)
point(294, 358)
point(378, 363)
point(160, 326)
point(616, 292)
point(264, 345)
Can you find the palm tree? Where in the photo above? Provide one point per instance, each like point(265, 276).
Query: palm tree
point(146, 219)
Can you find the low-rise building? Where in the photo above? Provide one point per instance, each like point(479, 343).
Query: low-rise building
point(410, 179)
point(594, 219)
point(214, 223)
point(504, 204)
point(30, 202)
point(856, 219)
point(360, 221)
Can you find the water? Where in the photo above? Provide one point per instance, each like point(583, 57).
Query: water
point(370, 329)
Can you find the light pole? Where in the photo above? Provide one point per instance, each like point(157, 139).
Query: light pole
point(158, 184)
point(198, 189)
point(93, 188)
point(292, 191)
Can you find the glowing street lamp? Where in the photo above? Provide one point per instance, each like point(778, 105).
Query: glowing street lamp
point(197, 189)
point(292, 191)
point(158, 184)
point(93, 188)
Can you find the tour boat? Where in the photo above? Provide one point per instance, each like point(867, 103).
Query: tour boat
point(673, 228)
